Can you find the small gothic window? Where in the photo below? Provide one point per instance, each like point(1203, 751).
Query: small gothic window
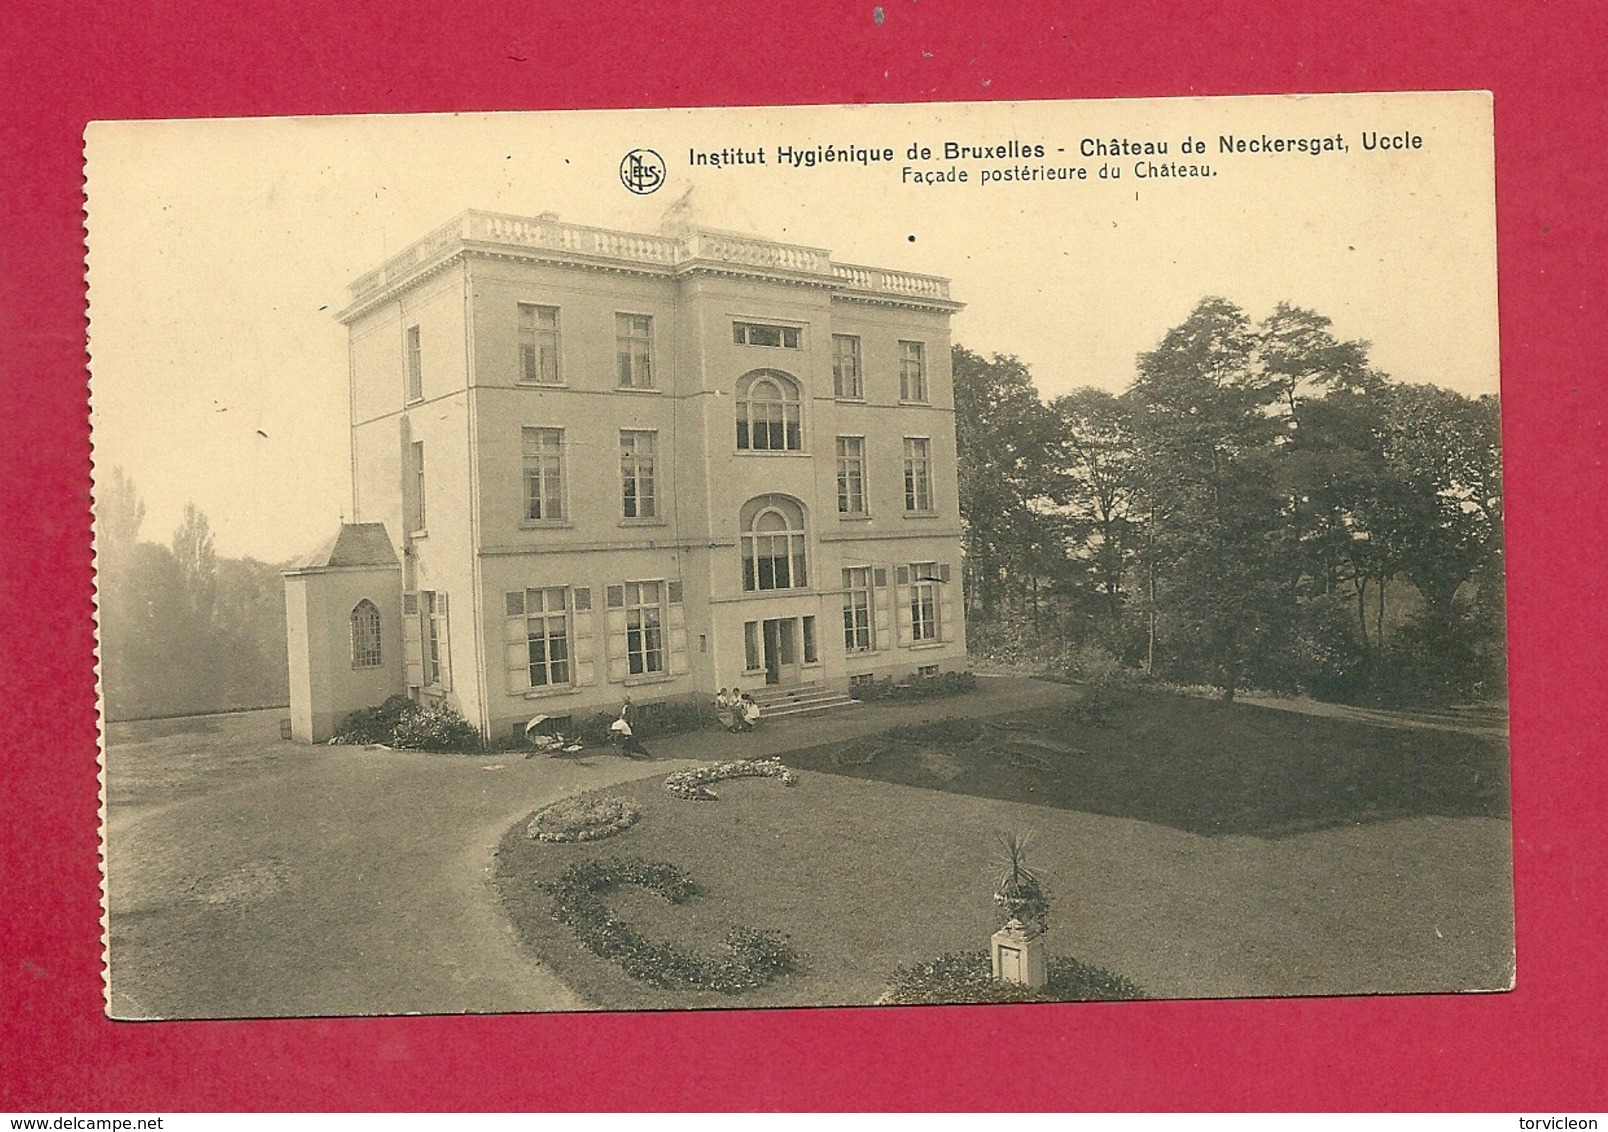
point(365, 635)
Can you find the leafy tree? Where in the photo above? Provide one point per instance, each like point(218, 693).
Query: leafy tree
point(1207, 444)
point(1097, 476)
point(1005, 438)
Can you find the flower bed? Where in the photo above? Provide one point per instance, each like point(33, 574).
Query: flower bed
point(968, 976)
point(583, 819)
point(693, 785)
point(752, 957)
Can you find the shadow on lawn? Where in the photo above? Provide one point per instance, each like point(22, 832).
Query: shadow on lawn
point(1196, 765)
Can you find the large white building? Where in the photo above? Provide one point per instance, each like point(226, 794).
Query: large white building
point(614, 463)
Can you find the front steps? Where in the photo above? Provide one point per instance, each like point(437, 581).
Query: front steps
point(778, 700)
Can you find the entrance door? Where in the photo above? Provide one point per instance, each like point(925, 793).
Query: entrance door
point(781, 648)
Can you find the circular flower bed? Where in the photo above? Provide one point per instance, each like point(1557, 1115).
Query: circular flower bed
point(583, 819)
point(968, 976)
point(693, 785)
point(752, 957)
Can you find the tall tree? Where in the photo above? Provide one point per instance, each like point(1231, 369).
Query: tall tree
point(1005, 438)
point(1208, 441)
point(197, 557)
point(1098, 478)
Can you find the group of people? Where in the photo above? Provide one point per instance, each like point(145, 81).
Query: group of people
point(736, 710)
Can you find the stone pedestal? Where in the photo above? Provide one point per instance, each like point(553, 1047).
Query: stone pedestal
point(1018, 953)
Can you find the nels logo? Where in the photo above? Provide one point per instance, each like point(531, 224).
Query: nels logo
point(642, 171)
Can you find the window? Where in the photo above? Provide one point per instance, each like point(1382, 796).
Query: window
point(773, 544)
point(433, 611)
point(415, 366)
point(851, 475)
point(768, 414)
point(918, 473)
point(846, 379)
point(763, 334)
point(416, 458)
point(644, 628)
point(811, 654)
point(544, 474)
point(633, 340)
point(930, 671)
point(751, 646)
point(924, 581)
point(365, 635)
point(636, 475)
point(857, 633)
point(546, 655)
point(912, 371)
point(538, 345)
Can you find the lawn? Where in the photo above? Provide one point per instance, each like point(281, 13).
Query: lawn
point(1204, 766)
point(1196, 848)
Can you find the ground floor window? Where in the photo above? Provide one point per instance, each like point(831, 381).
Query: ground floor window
point(924, 601)
point(546, 656)
point(644, 627)
point(857, 635)
point(365, 635)
point(811, 656)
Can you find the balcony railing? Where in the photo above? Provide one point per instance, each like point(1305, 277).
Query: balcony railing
point(547, 232)
point(880, 280)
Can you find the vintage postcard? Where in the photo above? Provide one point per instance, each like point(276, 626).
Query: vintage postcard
point(810, 556)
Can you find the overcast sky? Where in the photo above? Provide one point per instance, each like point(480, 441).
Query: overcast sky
point(220, 251)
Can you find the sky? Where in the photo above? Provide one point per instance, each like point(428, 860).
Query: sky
point(220, 251)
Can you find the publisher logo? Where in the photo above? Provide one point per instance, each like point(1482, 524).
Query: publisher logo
point(642, 171)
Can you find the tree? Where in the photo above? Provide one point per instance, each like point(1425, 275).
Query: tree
point(1005, 438)
point(1207, 441)
point(198, 564)
point(119, 513)
point(1097, 476)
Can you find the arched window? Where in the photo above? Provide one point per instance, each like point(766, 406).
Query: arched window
point(768, 415)
point(365, 635)
point(773, 544)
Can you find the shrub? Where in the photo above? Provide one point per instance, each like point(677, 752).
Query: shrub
point(751, 958)
point(583, 819)
point(400, 722)
point(435, 727)
point(374, 724)
point(916, 688)
point(968, 976)
point(693, 785)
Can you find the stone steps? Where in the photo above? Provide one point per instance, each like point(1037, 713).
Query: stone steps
point(796, 700)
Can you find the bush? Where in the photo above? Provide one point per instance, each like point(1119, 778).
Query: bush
point(916, 688)
point(435, 727)
point(374, 724)
point(752, 957)
point(583, 819)
point(400, 722)
point(968, 977)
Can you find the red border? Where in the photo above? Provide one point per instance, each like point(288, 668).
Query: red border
point(1538, 1048)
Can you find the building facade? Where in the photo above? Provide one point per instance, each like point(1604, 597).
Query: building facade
point(651, 465)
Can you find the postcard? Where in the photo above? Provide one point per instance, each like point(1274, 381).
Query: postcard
point(808, 556)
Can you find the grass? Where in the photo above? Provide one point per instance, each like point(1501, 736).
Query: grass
point(1201, 766)
point(847, 871)
point(1194, 848)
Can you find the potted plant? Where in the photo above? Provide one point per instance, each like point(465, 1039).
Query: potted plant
point(1020, 900)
